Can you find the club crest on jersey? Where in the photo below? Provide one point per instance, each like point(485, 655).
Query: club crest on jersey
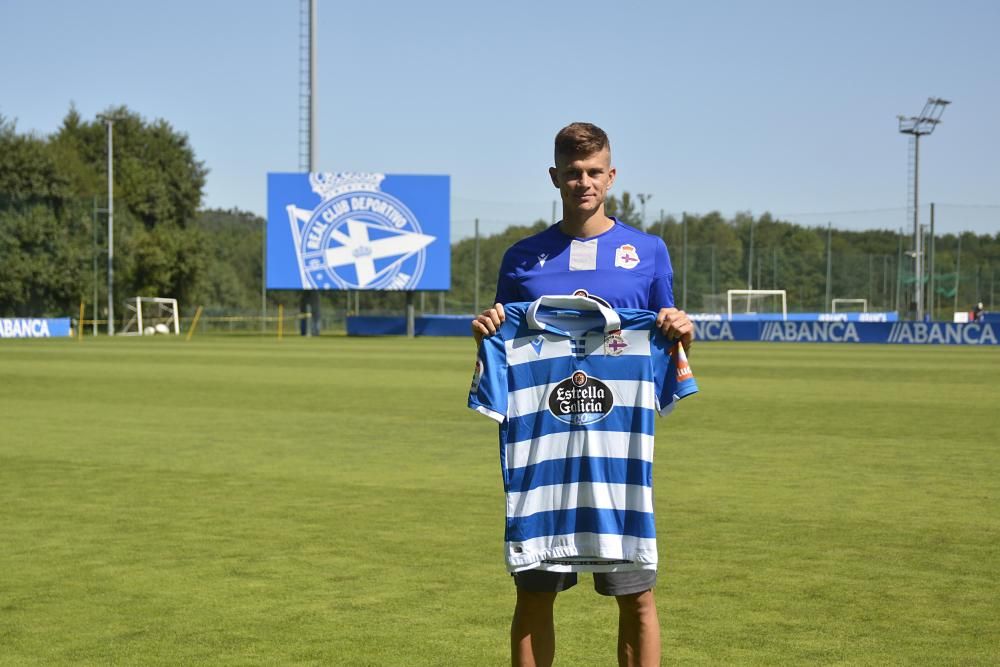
point(614, 343)
point(626, 256)
point(358, 237)
point(580, 399)
point(476, 377)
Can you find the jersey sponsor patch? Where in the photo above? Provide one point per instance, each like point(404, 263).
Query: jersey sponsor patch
point(477, 375)
point(626, 256)
point(580, 399)
point(683, 369)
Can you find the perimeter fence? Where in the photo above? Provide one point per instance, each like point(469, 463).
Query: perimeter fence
point(815, 257)
point(52, 258)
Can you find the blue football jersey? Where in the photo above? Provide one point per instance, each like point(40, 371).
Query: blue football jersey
point(575, 387)
point(624, 267)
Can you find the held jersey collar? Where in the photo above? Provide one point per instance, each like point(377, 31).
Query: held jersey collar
point(578, 303)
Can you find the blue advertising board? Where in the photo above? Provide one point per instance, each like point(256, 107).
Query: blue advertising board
point(920, 333)
point(842, 331)
point(30, 327)
point(358, 231)
point(796, 317)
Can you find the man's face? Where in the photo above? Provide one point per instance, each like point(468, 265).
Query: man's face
point(583, 180)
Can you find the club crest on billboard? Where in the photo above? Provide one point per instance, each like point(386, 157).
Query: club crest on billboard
point(358, 231)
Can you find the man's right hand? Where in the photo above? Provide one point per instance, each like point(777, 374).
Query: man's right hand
point(487, 322)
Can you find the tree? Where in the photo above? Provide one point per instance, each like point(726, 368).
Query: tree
point(623, 209)
point(156, 174)
point(47, 186)
point(231, 276)
point(41, 267)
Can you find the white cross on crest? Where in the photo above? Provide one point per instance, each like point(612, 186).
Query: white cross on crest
point(357, 249)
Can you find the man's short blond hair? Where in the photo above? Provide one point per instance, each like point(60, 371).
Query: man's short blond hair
point(580, 139)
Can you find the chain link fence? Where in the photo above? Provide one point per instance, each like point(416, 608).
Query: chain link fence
point(815, 257)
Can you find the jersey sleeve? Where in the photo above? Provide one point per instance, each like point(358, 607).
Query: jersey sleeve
point(672, 374)
point(488, 393)
point(661, 289)
point(507, 290)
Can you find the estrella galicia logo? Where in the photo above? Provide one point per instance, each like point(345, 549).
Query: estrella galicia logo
point(358, 237)
point(580, 399)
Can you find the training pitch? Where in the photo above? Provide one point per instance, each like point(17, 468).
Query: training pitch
point(332, 501)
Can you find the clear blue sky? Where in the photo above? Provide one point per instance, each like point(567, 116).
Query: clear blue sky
point(785, 106)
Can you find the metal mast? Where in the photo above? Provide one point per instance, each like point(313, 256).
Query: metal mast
point(916, 126)
point(643, 198)
point(307, 86)
point(109, 120)
point(307, 129)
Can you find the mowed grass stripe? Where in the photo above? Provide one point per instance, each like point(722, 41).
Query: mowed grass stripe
point(332, 501)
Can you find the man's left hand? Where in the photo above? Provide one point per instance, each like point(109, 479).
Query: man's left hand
point(674, 324)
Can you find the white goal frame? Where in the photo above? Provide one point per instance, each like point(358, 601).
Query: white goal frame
point(863, 302)
point(159, 308)
point(753, 292)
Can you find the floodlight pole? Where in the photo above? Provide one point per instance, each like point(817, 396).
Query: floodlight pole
point(931, 282)
point(918, 265)
point(308, 141)
point(475, 274)
point(684, 260)
point(312, 86)
point(643, 198)
point(93, 255)
point(829, 265)
point(917, 126)
point(263, 276)
point(110, 121)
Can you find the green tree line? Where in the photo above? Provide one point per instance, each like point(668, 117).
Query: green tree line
point(53, 240)
point(711, 254)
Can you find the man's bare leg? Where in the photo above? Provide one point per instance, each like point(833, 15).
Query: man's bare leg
point(638, 630)
point(532, 632)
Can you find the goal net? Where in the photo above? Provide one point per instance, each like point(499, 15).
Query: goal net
point(149, 315)
point(756, 302)
point(849, 306)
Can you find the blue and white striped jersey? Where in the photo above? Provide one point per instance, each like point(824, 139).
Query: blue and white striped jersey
point(575, 386)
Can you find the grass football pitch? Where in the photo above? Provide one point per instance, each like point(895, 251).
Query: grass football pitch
point(332, 501)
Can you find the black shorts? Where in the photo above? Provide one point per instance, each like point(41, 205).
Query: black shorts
point(605, 583)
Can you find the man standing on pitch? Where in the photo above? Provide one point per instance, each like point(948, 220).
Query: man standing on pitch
point(591, 254)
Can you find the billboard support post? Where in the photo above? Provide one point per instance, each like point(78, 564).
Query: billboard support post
point(410, 320)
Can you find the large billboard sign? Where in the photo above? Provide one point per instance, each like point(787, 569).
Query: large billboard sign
point(358, 231)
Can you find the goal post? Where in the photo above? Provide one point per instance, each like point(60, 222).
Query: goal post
point(843, 302)
point(150, 315)
point(756, 295)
